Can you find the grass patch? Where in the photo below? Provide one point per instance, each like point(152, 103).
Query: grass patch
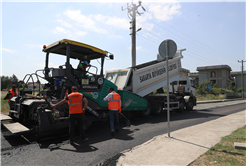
point(209, 97)
point(4, 103)
point(224, 153)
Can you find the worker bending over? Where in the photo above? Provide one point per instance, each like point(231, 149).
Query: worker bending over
point(114, 107)
point(76, 112)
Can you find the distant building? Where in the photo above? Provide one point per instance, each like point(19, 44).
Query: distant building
point(237, 79)
point(185, 72)
point(35, 84)
point(195, 77)
point(218, 74)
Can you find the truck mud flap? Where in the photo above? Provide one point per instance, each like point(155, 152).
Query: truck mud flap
point(16, 128)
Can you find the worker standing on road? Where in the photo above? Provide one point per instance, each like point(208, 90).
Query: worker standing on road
point(11, 93)
point(114, 107)
point(76, 112)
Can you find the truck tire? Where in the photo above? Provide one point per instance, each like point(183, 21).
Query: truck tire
point(181, 106)
point(147, 112)
point(157, 107)
point(189, 105)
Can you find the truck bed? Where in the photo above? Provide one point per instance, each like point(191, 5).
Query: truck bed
point(147, 77)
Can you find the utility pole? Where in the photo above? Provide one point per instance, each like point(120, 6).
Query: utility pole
point(132, 10)
point(242, 79)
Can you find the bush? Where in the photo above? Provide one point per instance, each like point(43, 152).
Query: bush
point(232, 87)
point(202, 88)
point(239, 90)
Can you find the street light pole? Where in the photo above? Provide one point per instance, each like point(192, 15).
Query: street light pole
point(242, 79)
point(134, 35)
point(132, 11)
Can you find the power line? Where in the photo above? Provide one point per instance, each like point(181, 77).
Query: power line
point(147, 38)
point(180, 42)
point(196, 57)
point(188, 36)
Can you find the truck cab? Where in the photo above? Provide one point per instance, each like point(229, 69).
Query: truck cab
point(187, 82)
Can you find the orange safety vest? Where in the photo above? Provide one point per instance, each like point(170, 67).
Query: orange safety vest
point(13, 94)
point(114, 102)
point(75, 101)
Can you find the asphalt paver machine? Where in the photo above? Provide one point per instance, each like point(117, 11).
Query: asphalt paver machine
point(31, 111)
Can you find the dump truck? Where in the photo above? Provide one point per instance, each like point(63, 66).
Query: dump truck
point(147, 81)
point(31, 110)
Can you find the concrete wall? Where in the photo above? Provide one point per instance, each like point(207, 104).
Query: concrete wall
point(203, 76)
point(238, 81)
point(221, 76)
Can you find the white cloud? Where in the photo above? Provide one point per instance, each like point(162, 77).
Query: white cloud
point(64, 23)
point(83, 21)
point(8, 50)
point(80, 33)
point(138, 48)
point(112, 21)
point(72, 33)
point(61, 30)
point(142, 23)
point(164, 11)
point(103, 24)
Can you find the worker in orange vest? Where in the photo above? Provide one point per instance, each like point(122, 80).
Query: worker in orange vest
point(76, 112)
point(114, 107)
point(12, 92)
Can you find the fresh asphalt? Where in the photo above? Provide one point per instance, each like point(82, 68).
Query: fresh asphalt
point(102, 149)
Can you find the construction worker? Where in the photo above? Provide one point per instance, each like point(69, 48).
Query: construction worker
point(83, 65)
point(114, 107)
point(76, 112)
point(11, 93)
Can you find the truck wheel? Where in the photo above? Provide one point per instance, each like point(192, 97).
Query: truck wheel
point(181, 106)
point(189, 105)
point(157, 107)
point(147, 112)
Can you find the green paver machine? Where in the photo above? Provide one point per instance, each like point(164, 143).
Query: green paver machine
point(31, 109)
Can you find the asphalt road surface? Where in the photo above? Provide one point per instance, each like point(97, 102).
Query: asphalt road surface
point(102, 149)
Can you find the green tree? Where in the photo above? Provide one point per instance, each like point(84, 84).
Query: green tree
point(14, 79)
point(6, 82)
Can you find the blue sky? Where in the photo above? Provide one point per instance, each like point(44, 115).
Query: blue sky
point(213, 33)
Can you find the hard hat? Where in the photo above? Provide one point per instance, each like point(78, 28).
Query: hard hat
point(85, 62)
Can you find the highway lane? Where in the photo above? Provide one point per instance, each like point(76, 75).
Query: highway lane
point(24, 150)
